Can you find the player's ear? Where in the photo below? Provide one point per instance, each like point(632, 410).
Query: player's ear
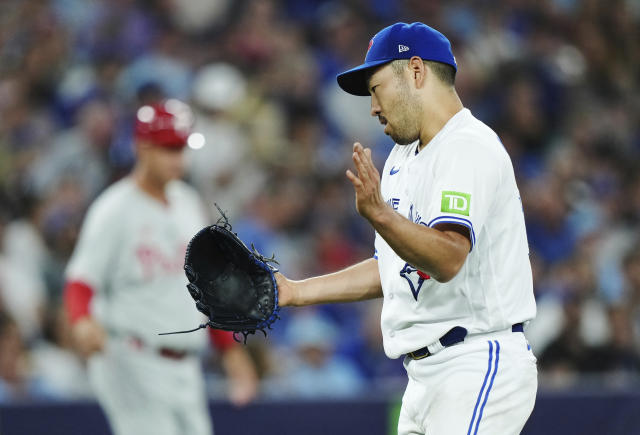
point(142, 145)
point(418, 71)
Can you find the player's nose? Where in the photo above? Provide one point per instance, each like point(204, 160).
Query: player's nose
point(375, 107)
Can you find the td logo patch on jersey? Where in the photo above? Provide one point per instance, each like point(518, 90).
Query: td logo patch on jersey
point(456, 202)
point(415, 278)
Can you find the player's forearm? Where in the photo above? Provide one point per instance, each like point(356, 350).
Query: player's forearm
point(356, 283)
point(237, 363)
point(437, 253)
point(243, 378)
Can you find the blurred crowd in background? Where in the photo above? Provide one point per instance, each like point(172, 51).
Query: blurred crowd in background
point(557, 79)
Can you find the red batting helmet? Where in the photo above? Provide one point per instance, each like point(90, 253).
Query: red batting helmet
point(166, 124)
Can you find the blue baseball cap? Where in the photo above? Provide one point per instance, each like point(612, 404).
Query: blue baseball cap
point(398, 41)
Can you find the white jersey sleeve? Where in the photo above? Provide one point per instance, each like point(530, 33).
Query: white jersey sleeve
point(97, 246)
point(464, 188)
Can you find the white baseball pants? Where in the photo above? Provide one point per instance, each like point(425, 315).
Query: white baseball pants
point(485, 385)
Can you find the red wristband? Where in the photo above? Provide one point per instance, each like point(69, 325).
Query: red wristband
point(77, 297)
point(222, 340)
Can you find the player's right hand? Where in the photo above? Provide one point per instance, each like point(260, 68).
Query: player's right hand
point(366, 182)
point(88, 336)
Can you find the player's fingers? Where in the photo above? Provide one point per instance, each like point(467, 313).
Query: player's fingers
point(363, 173)
point(368, 162)
point(351, 176)
point(367, 171)
point(358, 149)
point(362, 152)
point(372, 168)
point(370, 173)
point(354, 179)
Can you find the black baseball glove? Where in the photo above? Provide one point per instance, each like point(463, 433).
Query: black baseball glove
point(234, 286)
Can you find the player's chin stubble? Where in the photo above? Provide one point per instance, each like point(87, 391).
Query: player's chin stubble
point(407, 113)
point(403, 138)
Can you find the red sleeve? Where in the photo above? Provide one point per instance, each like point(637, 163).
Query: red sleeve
point(221, 340)
point(77, 297)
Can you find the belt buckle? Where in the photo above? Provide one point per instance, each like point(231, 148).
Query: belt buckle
point(416, 355)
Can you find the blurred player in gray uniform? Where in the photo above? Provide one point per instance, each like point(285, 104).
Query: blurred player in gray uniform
point(125, 284)
point(451, 253)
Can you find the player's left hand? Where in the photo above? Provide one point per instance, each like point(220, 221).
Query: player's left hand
point(369, 201)
point(88, 336)
point(243, 391)
point(243, 381)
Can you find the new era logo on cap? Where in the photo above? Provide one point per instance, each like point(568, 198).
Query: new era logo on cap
point(402, 48)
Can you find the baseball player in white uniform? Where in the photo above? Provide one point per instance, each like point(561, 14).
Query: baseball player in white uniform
point(451, 254)
point(125, 284)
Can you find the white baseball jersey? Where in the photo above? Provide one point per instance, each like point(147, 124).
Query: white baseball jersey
point(463, 176)
point(131, 252)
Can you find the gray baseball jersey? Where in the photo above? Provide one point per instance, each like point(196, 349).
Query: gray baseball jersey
point(131, 253)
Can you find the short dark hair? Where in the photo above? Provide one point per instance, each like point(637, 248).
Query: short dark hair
point(445, 72)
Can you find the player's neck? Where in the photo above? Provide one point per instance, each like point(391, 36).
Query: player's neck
point(439, 114)
point(149, 185)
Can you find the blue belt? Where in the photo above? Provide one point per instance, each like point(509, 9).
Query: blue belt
point(454, 336)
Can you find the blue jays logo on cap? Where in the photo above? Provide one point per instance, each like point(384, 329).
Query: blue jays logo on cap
point(398, 41)
point(370, 44)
